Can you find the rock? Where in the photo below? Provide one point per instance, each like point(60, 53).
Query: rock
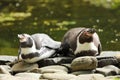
point(108, 70)
point(82, 72)
point(42, 71)
point(90, 77)
point(104, 61)
point(109, 53)
point(68, 66)
point(7, 76)
point(55, 61)
point(118, 58)
point(22, 66)
point(34, 76)
point(10, 77)
point(5, 59)
point(84, 63)
point(4, 69)
point(57, 67)
point(50, 69)
point(57, 76)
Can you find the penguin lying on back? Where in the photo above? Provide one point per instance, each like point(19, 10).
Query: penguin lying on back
point(81, 42)
point(36, 47)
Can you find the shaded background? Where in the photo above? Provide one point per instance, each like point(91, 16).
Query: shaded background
point(55, 17)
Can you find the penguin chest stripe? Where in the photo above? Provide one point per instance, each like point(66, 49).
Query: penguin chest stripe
point(30, 55)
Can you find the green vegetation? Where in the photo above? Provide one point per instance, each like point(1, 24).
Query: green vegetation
point(116, 79)
point(55, 17)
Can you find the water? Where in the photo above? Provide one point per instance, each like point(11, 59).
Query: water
point(55, 17)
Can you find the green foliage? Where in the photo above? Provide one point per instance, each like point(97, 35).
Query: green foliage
point(116, 79)
point(4, 43)
point(9, 51)
point(13, 16)
point(55, 17)
point(110, 4)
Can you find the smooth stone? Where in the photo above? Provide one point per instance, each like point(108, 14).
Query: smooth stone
point(84, 63)
point(23, 66)
point(42, 71)
point(108, 70)
point(118, 57)
point(5, 59)
point(57, 67)
point(57, 76)
point(54, 61)
point(10, 77)
point(90, 77)
point(109, 53)
point(104, 61)
point(5, 69)
point(82, 72)
point(68, 66)
point(34, 76)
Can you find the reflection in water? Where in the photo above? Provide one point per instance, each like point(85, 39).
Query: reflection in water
point(55, 17)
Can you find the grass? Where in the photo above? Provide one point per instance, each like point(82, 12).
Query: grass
point(9, 51)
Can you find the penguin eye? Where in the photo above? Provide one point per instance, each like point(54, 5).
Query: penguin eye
point(91, 31)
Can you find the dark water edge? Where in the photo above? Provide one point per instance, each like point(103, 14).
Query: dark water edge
point(55, 18)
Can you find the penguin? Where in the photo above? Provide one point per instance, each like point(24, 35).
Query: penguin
point(36, 47)
point(80, 42)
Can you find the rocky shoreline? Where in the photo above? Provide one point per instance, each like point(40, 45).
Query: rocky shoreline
point(104, 67)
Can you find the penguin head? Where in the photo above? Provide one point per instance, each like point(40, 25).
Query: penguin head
point(86, 35)
point(25, 40)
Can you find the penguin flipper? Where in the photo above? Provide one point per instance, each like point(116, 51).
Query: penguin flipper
point(99, 49)
point(44, 40)
point(52, 44)
point(19, 53)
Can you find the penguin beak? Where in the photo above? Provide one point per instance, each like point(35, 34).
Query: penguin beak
point(21, 37)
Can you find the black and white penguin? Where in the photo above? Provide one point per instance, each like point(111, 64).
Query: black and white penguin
point(36, 47)
point(81, 42)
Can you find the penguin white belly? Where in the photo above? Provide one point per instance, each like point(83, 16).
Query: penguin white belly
point(27, 50)
point(41, 54)
point(85, 47)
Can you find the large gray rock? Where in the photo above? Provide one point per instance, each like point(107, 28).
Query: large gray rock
point(90, 77)
point(84, 63)
point(23, 66)
point(57, 76)
point(26, 75)
point(4, 69)
point(5, 59)
point(108, 70)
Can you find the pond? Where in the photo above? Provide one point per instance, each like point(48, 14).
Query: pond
point(55, 18)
